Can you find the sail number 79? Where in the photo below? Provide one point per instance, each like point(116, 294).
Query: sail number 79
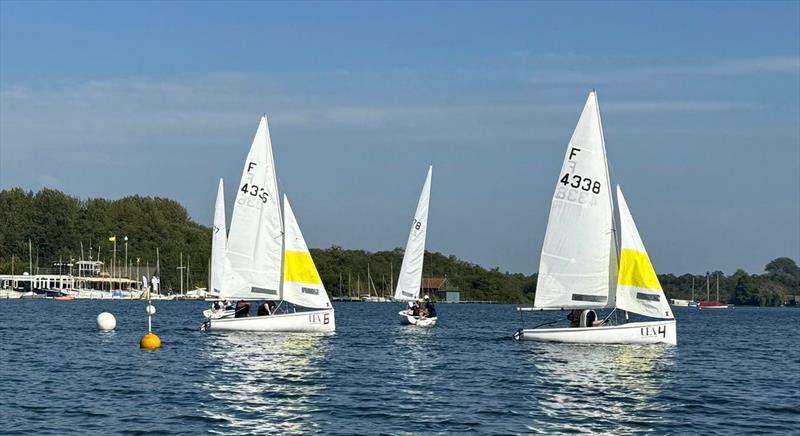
point(583, 183)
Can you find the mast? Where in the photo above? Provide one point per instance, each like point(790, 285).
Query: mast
point(717, 286)
point(693, 288)
point(158, 270)
point(615, 239)
point(280, 212)
point(180, 272)
point(708, 292)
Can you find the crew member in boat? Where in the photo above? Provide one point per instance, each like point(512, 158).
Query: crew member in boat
point(268, 308)
point(574, 318)
point(242, 309)
point(414, 308)
point(583, 318)
point(430, 308)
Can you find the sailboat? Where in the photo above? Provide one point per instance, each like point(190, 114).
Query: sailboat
point(264, 257)
point(712, 304)
point(410, 280)
point(585, 264)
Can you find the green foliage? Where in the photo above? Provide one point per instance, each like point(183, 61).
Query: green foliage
point(60, 227)
point(782, 279)
point(344, 272)
point(57, 224)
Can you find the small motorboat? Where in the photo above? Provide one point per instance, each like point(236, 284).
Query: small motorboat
point(64, 298)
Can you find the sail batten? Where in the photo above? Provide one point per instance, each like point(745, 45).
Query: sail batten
point(410, 279)
point(578, 246)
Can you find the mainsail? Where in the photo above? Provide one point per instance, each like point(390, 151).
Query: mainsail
point(219, 240)
point(301, 282)
point(578, 256)
point(638, 289)
point(408, 284)
point(253, 255)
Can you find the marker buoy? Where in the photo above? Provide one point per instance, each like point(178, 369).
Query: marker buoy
point(150, 341)
point(106, 321)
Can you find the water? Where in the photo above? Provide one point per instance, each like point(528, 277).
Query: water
point(733, 371)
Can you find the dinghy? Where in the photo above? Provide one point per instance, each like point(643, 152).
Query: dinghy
point(587, 263)
point(410, 279)
point(264, 257)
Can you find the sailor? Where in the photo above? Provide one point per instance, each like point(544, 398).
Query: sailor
point(430, 308)
point(242, 309)
point(263, 310)
point(574, 318)
point(415, 309)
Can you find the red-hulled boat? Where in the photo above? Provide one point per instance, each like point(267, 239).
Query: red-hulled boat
point(712, 305)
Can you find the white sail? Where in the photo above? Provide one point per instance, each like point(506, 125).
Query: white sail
point(578, 256)
point(219, 241)
point(408, 284)
point(638, 289)
point(253, 254)
point(301, 282)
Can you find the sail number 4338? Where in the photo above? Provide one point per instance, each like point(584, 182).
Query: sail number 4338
point(578, 182)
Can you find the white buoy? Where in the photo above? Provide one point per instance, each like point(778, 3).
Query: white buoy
point(106, 321)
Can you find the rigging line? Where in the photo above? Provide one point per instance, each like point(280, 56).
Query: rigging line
point(609, 316)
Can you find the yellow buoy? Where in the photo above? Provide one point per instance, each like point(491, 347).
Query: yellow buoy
point(150, 341)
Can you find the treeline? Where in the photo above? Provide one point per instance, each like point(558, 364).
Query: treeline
point(57, 224)
point(64, 228)
point(780, 280)
point(345, 272)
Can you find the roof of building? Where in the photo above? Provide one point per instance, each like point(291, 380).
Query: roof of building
point(433, 282)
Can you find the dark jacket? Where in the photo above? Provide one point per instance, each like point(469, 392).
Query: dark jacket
point(431, 309)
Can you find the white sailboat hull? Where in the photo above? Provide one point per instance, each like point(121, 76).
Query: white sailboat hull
point(317, 321)
point(649, 332)
point(408, 319)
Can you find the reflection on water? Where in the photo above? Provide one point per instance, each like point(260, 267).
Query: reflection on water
point(263, 383)
point(598, 388)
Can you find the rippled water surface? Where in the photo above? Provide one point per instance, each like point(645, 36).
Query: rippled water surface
point(733, 371)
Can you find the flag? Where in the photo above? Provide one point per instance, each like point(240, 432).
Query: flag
point(113, 239)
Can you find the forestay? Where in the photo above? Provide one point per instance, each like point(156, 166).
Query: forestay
point(638, 289)
point(219, 240)
point(301, 282)
point(410, 279)
point(578, 258)
point(254, 248)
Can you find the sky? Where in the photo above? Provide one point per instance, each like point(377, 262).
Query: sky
point(700, 104)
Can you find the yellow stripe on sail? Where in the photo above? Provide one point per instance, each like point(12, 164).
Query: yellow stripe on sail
point(299, 268)
point(636, 270)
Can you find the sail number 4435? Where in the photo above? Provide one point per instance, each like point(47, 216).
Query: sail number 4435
point(578, 182)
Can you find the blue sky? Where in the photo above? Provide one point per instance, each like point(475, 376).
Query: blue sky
point(700, 103)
